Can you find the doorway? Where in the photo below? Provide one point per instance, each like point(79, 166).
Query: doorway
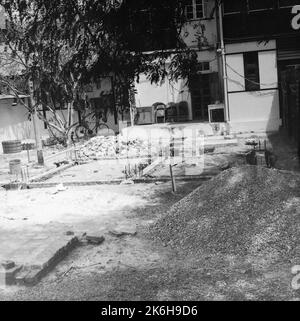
point(199, 86)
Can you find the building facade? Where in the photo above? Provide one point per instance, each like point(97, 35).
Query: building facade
point(203, 89)
point(261, 40)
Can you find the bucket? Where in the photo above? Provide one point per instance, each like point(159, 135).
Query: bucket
point(15, 166)
point(11, 146)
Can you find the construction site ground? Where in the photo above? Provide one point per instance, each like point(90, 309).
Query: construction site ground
point(95, 210)
point(131, 267)
point(126, 267)
point(51, 155)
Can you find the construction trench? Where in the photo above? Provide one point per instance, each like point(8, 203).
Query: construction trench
point(76, 167)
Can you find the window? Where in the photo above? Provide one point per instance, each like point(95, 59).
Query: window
point(260, 4)
point(251, 69)
point(142, 21)
point(152, 27)
point(233, 6)
point(287, 3)
point(203, 66)
point(195, 9)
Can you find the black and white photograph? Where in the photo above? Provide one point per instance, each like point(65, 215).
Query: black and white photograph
point(149, 152)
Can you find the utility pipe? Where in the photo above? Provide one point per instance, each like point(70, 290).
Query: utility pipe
point(223, 54)
point(40, 156)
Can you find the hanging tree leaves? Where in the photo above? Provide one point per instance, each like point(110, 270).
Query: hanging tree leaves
point(64, 44)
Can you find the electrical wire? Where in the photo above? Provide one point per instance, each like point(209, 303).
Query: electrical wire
point(252, 81)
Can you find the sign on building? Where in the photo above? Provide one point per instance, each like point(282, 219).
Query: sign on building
point(296, 18)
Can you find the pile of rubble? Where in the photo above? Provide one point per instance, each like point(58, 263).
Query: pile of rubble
point(101, 147)
point(248, 211)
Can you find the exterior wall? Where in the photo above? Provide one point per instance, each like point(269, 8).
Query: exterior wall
point(148, 94)
point(253, 110)
point(93, 90)
point(14, 123)
point(250, 46)
point(103, 86)
point(260, 24)
point(192, 28)
point(44, 132)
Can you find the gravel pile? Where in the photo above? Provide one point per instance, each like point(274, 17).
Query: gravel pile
point(248, 210)
point(112, 147)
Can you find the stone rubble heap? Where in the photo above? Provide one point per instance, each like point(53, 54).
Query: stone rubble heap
point(100, 147)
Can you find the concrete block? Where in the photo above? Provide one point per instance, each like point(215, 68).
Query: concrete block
point(95, 239)
point(124, 230)
point(7, 276)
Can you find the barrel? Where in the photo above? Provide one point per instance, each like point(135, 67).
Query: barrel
point(11, 146)
point(15, 166)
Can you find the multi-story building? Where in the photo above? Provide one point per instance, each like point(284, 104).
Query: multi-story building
point(261, 41)
point(200, 33)
point(243, 47)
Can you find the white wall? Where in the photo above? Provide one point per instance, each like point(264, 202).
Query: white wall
point(250, 46)
point(253, 110)
point(235, 72)
point(63, 114)
point(148, 94)
point(166, 92)
point(191, 28)
point(14, 123)
point(94, 90)
point(268, 73)
point(105, 85)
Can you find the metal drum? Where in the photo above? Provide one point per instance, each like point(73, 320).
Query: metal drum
point(15, 167)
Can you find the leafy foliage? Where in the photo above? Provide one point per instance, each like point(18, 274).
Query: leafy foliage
point(64, 44)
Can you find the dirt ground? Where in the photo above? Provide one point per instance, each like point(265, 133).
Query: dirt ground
point(51, 155)
point(95, 210)
point(135, 267)
point(286, 151)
